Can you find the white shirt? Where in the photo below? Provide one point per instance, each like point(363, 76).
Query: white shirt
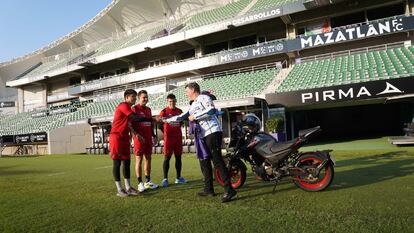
point(202, 109)
point(204, 113)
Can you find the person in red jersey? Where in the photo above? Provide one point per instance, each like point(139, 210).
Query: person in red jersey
point(119, 142)
point(141, 150)
point(172, 141)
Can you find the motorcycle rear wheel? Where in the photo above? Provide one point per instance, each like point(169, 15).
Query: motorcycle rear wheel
point(310, 183)
point(237, 173)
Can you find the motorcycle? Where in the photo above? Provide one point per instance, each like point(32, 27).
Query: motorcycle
point(272, 161)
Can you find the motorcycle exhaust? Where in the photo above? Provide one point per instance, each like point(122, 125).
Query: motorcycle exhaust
point(261, 171)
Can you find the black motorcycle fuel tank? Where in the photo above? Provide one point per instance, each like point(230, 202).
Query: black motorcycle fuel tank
point(264, 145)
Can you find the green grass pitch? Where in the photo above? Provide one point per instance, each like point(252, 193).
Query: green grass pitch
point(373, 191)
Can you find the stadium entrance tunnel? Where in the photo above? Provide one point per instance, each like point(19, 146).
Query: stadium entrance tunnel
point(353, 122)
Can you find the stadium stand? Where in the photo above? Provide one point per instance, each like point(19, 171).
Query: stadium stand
point(41, 120)
point(237, 85)
point(231, 85)
point(353, 68)
point(359, 67)
point(180, 61)
point(300, 40)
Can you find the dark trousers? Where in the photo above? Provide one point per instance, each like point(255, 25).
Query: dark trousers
point(213, 143)
point(116, 171)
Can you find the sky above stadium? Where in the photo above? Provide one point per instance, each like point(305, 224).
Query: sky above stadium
point(27, 25)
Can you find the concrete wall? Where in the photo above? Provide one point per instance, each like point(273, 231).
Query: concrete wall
point(34, 96)
point(28, 150)
point(70, 139)
point(58, 86)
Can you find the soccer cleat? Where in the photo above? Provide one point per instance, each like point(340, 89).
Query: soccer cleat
point(180, 180)
point(150, 185)
point(132, 192)
point(164, 183)
point(141, 187)
point(122, 193)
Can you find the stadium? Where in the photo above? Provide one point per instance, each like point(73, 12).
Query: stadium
point(267, 57)
point(346, 66)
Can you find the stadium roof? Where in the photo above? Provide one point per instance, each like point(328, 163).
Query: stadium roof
point(122, 16)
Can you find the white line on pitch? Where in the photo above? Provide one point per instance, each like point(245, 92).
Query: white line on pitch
point(97, 168)
point(56, 174)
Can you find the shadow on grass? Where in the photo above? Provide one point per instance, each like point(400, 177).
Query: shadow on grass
point(15, 171)
point(195, 185)
point(251, 184)
point(266, 188)
point(375, 170)
point(21, 172)
point(366, 160)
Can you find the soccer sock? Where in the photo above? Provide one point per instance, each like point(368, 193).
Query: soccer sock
point(166, 166)
point(178, 165)
point(127, 184)
point(148, 178)
point(116, 170)
point(139, 180)
point(126, 168)
point(118, 185)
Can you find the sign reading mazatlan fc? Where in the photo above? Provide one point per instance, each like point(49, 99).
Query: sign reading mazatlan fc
point(378, 28)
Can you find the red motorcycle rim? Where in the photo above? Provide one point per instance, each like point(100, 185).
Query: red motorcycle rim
point(235, 178)
point(317, 184)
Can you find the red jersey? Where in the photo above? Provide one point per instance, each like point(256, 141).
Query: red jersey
point(172, 129)
point(145, 127)
point(120, 123)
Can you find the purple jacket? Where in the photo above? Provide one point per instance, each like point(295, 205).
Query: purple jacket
point(201, 148)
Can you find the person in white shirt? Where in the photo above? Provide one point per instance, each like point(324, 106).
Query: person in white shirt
point(203, 111)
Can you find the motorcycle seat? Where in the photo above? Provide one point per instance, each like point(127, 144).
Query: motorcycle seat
point(281, 146)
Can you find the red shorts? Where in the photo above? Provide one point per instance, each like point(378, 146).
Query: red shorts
point(119, 147)
point(143, 148)
point(173, 144)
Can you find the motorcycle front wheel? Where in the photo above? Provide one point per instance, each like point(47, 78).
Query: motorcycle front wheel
point(237, 172)
point(309, 162)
